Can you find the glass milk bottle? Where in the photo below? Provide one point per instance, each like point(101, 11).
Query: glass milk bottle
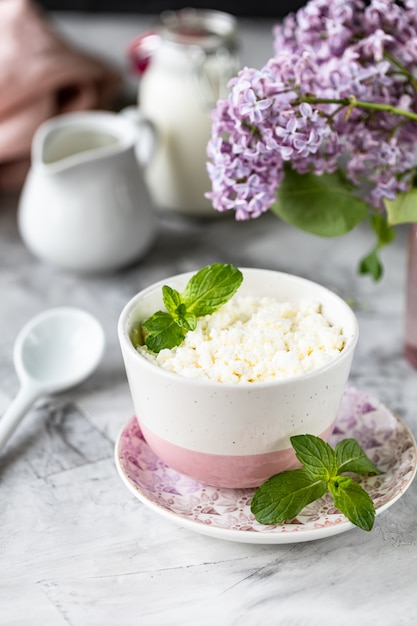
point(185, 65)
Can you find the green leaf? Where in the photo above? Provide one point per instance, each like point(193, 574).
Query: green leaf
point(351, 458)
point(370, 264)
point(318, 458)
point(284, 495)
point(187, 321)
point(353, 501)
point(205, 292)
point(163, 332)
point(403, 208)
point(211, 287)
point(177, 308)
point(384, 232)
point(322, 205)
point(172, 300)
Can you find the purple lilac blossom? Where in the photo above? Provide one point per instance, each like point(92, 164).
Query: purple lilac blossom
point(333, 50)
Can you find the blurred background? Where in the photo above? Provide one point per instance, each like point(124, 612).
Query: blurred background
point(255, 8)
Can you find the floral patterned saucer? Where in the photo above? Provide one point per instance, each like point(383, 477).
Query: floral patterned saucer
point(225, 513)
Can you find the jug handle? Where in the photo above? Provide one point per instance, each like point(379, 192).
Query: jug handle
point(147, 134)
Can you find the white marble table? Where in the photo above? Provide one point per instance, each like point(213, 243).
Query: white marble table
point(76, 548)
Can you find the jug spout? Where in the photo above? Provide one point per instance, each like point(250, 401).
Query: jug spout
point(75, 144)
point(79, 138)
point(67, 141)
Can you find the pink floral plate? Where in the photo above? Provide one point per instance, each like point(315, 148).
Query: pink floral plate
point(225, 513)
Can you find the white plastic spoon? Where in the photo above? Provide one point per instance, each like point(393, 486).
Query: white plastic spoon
point(54, 351)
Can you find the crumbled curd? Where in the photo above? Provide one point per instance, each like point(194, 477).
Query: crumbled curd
point(252, 339)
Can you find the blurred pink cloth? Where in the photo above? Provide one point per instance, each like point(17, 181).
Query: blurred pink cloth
point(41, 75)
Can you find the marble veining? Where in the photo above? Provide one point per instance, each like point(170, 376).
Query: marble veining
point(76, 547)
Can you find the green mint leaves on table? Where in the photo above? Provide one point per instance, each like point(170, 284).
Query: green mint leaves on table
point(206, 291)
point(284, 495)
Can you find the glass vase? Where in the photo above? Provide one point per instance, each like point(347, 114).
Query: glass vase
point(411, 299)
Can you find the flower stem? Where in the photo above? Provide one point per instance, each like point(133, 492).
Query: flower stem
point(352, 102)
point(402, 69)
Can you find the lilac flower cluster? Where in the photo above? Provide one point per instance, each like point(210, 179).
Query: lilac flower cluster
point(339, 89)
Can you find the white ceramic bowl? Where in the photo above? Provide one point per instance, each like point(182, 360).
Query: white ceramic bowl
point(227, 434)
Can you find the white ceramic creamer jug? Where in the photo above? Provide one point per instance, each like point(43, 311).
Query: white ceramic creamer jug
point(85, 205)
point(185, 65)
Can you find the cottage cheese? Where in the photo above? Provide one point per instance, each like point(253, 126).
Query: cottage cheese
point(252, 339)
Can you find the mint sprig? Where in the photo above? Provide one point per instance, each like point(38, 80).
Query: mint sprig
point(284, 495)
point(205, 292)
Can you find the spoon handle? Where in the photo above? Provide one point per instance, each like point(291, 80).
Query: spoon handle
point(10, 420)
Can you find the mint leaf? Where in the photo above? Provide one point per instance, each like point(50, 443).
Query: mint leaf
point(318, 458)
point(188, 321)
point(163, 332)
point(351, 458)
point(204, 293)
point(322, 205)
point(211, 287)
point(172, 300)
point(177, 308)
point(284, 495)
point(353, 501)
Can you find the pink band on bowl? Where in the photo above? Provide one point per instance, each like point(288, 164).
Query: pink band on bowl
point(236, 472)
